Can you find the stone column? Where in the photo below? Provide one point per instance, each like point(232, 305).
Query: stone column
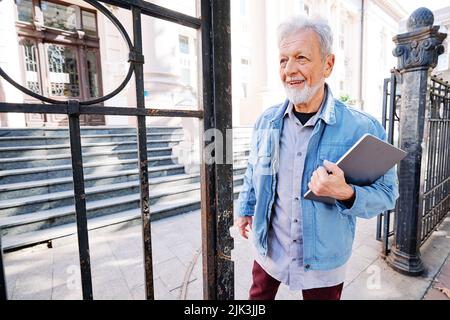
point(417, 51)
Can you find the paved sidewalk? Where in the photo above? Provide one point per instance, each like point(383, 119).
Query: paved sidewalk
point(440, 287)
point(117, 270)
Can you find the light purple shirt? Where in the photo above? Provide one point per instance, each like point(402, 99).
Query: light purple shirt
point(284, 260)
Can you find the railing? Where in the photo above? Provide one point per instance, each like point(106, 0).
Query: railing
point(436, 185)
point(435, 194)
point(389, 120)
point(216, 179)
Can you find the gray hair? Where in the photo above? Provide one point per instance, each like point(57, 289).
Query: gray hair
point(317, 24)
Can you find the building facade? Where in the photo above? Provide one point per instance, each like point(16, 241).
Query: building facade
point(362, 29)
point(69, 50)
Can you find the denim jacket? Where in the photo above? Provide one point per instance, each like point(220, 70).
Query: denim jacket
point(328, 230)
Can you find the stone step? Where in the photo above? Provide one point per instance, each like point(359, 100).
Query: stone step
point(85, 130)
point(48, 172)
point(25, 151)
point(57, 198)
point(90, 138)
point(38, 187)
point(51, 172)
point(133, 216)
point(21, 206)
point(65, 158)
point(49, 218)
point(39, 141)
point(241, 160)
point(40, 167)
point(154, 155)
point(93, 130)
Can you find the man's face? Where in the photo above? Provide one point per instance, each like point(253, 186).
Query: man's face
point(302, 69)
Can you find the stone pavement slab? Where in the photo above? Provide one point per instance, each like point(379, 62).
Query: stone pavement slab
point(117, 268)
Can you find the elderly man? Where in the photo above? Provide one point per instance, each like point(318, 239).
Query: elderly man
point(306, 244)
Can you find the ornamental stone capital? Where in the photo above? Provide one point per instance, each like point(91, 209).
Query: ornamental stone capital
point(420, 47)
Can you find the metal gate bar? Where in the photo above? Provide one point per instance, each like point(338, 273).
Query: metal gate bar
point(380, 217)
point(80, 198)
point(142, 154)
point(388, 121)
point(117, 111)
point(216, 179)
point(3, 288)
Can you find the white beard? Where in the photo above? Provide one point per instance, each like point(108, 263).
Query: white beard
point(300, 96)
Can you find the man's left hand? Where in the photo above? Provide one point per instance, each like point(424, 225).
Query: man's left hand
point(329, 181)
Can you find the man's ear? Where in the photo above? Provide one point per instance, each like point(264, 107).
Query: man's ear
point(329, 64)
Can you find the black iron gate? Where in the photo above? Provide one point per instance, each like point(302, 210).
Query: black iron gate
point(390, 121)
point(435, 192)
point(215, 110)
point(436, 173)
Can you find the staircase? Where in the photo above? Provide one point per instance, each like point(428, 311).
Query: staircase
point(36, 188)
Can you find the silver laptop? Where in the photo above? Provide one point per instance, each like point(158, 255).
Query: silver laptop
point(365, 162)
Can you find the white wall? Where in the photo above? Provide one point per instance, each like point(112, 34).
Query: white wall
point(10, 62)
point(375, 69)
point(114, 57)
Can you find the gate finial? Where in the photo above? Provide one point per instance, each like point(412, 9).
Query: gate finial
point(420, 18)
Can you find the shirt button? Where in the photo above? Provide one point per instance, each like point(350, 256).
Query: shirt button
point(296, 198)
point(295, 220)
point(299, 154)
point(307, 266)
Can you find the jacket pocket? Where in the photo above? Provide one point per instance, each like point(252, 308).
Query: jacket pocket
point(334, 235)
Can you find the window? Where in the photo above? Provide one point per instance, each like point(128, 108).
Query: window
point(341, 42)
point(92, 74)
point(245, 63)
point(184, 44)
point(306, 9)
point(244, 90)
point(89, 23)
point(187, 61)
point(59, 16)
point(63, 73)
point(24, 10)
point(31, 66)
point(245, 73)
point(186, 76)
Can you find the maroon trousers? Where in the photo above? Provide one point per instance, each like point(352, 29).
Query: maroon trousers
point(265, 287)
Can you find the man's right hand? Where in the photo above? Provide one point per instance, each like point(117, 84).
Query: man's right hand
point(242, 223)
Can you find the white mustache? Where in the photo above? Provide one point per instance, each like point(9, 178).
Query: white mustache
point(295, 79)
